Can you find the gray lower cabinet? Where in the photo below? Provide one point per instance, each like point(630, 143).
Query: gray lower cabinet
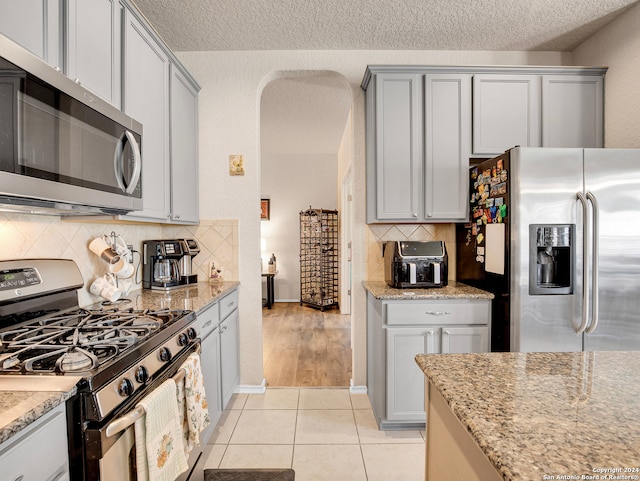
point(229, 346)
point(94, 46)
point(35, 24)
point(207, 327)
point(398, 331)
point(39, 451)
point(217, 326)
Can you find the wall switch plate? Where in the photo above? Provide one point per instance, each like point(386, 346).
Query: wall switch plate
point(130, 254)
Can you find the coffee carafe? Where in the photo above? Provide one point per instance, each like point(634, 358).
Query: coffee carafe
point(160, 268)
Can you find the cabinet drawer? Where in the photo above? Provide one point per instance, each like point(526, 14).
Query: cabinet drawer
point(17, 453)
point(438, 312)
point(228, 304)
point(207, 320)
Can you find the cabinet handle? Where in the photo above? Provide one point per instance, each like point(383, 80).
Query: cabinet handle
point(208, 323)
point(19, 478)
point(438, 313)
point(447, 332)
point(415, 214)
point(429, 333)
point(231, 303)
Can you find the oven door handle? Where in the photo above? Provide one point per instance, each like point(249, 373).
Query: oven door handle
point(123, 422)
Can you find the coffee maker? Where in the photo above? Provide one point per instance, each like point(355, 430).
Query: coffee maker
point(160, 269)
point(167, 264)
point(190, 249)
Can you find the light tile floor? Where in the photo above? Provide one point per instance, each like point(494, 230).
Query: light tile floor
point(322, 433)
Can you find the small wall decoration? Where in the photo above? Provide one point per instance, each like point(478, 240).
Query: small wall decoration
point(236, 165)
point(265, 209)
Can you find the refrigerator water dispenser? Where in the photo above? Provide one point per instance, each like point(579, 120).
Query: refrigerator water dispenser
point(551, 259)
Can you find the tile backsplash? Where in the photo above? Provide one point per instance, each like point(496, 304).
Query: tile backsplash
point(35, 236)
point(380, 233)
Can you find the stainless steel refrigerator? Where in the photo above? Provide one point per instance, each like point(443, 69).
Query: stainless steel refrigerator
point(555, 234)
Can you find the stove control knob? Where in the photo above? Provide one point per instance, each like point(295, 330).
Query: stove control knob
point(165, 354)
point(183, 339)
point(191, 332)
point(125, 387)
point(142, 375)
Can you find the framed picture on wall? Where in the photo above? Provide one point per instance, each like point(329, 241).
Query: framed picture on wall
point(265, 209)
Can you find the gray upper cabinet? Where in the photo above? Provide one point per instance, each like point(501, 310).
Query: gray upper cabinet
point(146, 99)
point(109, 48)
point(34, 24)
point(572, 114)
point(394, 106)
point(506, 112)
point(447, 137)
point(424, 123)
point(184, 148)
point(418, 147)
point(94, 46)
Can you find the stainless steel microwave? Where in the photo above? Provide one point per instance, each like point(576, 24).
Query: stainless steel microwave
point(62, 149)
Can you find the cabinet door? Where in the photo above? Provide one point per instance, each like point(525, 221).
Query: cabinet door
point(146, 99)
point(36, 25)
point(572, 111)
point(405, 380)
point(229, 360)
point(506, 112)
point(398, 147)
point(94, 46)
point(462, 340)
point(210, 361)
point(17, 453)
point(447, 146)
point(184, 149)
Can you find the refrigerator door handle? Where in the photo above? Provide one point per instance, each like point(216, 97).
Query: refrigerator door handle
point(585, 265)
point(594, 263)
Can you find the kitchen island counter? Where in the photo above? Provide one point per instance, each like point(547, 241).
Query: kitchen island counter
point(455, 290)
point(543, 416)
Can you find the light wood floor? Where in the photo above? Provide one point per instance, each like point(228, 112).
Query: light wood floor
point(306, 347)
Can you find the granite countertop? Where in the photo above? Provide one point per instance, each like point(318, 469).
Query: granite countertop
point(455, 290)
point(23, 399)
point(537, 416)
point(196, 297)
point(19, 408)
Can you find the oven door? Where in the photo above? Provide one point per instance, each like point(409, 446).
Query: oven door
point(111, 448)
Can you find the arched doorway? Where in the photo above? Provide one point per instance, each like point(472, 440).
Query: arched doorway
point(305, 152)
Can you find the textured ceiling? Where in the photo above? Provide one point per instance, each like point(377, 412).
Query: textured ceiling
point(188, 25)
point(307, 115)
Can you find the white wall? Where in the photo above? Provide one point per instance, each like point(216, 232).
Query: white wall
point(293, 182)
point(229, 124)
point(618, 47)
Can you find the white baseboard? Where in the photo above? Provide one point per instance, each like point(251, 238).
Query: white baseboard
point(252, 388)
point(357, 389)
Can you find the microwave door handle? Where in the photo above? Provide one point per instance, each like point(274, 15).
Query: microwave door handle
point(594, 263)
point(130, 185)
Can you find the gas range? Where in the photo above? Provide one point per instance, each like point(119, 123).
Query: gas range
point(117, 354)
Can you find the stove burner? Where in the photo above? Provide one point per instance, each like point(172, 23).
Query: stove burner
point(76, 360)
point(80, 340)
